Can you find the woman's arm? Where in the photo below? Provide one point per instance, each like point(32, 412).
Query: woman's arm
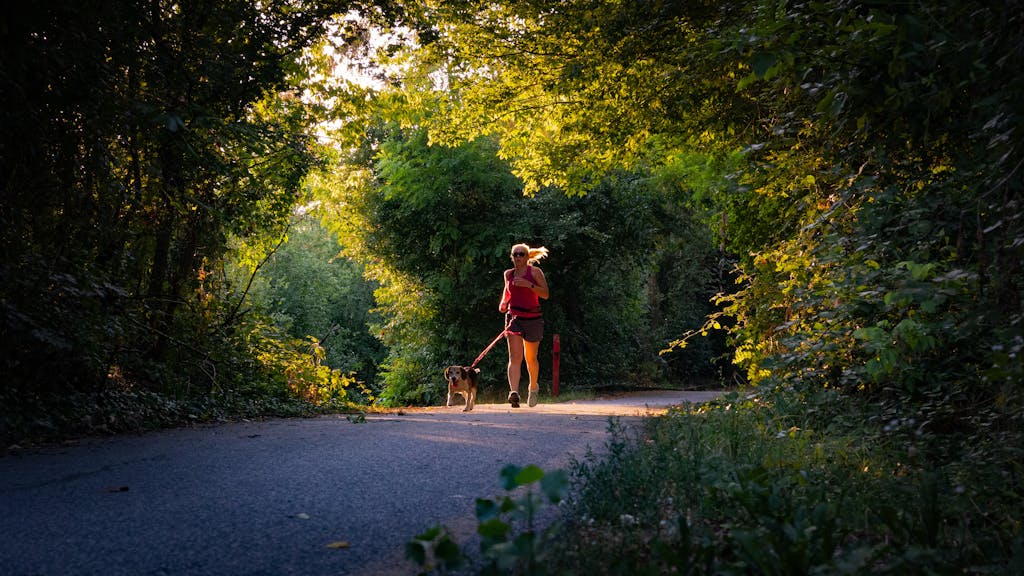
point(540, 287)
point(506, 296)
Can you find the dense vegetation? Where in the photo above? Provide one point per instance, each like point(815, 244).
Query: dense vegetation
point(140, 142)
point(846, 176)
point(862, 161)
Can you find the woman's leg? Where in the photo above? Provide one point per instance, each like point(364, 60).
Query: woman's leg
point(532, 364)
point(533, 367)
point(515, 360)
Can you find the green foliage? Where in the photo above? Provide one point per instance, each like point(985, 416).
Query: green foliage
point(641, 268)
point(295, 367)
point(312, 292)
point(895, 282)
point(761, 483)
point(752, 485)
point(510, 541)
point(32, 418)
point(435, 551)
point(575, 90)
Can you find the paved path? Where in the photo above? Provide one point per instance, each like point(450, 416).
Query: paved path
point(267, 498)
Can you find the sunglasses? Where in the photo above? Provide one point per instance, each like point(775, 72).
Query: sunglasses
point(518, 254)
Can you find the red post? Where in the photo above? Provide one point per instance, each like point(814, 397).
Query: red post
point(556, 349)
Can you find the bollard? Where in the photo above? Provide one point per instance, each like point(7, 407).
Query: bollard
point(556, 349)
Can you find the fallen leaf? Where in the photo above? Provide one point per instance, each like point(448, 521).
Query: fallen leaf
point(338, 545)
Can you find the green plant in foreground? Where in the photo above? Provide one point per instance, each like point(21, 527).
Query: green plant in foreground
point(433, 550)
point(509, 540)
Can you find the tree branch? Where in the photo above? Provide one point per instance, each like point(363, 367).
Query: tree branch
point(234, 311)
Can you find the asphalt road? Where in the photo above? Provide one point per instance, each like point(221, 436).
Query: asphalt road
point(271, 498)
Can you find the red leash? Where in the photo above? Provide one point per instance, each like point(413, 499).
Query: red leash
point(503, 333)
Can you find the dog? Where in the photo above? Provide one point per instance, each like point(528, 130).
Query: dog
point(462, 380)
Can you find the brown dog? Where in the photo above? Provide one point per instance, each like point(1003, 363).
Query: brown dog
point(462, 380)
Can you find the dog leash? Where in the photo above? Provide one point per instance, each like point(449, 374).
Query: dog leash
point(503, 333)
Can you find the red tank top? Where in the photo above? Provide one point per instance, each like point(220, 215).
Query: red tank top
point(522, 301)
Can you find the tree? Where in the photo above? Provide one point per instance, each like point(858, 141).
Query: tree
point(138, 137)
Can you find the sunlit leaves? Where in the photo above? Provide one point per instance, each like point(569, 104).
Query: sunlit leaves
point(573, 91)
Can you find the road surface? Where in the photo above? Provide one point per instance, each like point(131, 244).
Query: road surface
point(314, 496)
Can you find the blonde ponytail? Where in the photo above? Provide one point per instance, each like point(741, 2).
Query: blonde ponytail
point(533, 254)
point(537, 253)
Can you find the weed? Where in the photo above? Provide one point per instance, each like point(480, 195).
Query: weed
point(510, 541)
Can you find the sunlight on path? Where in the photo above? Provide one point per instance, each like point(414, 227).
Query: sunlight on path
point(652, 403)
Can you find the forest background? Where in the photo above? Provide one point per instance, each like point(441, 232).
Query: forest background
point(203, 217)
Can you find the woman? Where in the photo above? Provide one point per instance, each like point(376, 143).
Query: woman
point(525, 285)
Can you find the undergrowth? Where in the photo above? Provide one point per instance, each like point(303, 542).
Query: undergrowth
point(745, 485)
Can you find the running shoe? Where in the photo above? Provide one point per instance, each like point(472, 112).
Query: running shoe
point(532, 398)
point(513, 399)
